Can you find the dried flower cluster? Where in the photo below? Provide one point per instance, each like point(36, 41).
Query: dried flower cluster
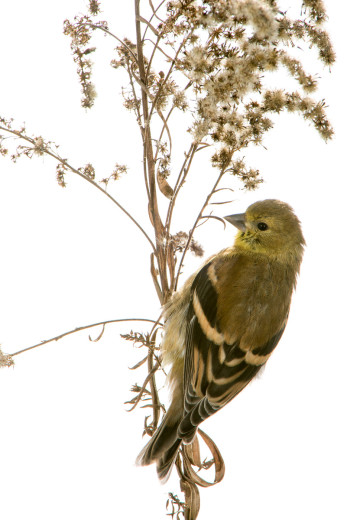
point(88, 171)
point(61, 169)
point(118, 171)
point(227, 61)
point(36, 145)
point(227, 51)
point(94, 7)
point(81, 33)
point(180, 241)
point(3, 149)
point(5, 360)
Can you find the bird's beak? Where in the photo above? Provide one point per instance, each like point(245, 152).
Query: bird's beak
point(237, 220)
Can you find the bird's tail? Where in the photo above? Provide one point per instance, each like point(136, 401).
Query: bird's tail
point(164, 445)
point(167, 461)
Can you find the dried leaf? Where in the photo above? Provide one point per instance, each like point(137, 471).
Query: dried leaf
point(140, 363)
point(208, 217)
point(220, 203)
point(100, 335)
point(165, 187)
point(218, 459)
point(191, 454)
point(192, 499)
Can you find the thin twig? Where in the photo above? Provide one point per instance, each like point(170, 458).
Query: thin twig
point(153, 329)
point(149, 25)
point(154, 391)
point(77, 172)
point(143, 388)
point(113, 36)
point(179, 183)
point(191, 232)
point(207, 217)
point(154, 274)
point(168, 73)
point(155, 10)
point(162, 131)
point(159, 48)
point(139, 121)
point(165, 124)
point(152, 56)
point(154, 15)
point(138, 114)
point(78, 329)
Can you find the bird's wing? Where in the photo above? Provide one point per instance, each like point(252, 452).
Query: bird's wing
point(215, 371)
point(203, 305)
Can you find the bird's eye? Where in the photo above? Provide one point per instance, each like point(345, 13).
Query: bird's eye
point(262, 226)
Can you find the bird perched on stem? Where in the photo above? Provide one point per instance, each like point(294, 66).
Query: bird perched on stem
point(225, 322)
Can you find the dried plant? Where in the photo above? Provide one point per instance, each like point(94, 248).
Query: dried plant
point(214, 61)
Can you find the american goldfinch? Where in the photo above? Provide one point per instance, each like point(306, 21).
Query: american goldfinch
point(225, 322)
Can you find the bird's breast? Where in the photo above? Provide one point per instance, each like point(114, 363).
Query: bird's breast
point(254, 300)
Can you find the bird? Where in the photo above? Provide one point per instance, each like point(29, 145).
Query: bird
point(222, 326)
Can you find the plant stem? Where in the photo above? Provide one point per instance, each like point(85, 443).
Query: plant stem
point(78, 329)
point(191, 232)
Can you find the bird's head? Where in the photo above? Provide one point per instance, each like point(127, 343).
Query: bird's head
point(269, 227)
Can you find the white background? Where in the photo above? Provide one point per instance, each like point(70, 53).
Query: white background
point(67, 443)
